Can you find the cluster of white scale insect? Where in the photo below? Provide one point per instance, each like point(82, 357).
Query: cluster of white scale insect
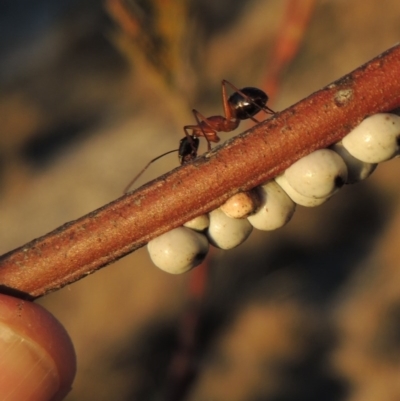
point(309, 182)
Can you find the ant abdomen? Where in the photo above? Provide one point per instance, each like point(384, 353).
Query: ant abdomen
point(246, 107)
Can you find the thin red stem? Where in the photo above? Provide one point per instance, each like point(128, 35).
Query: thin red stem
point(81, 247)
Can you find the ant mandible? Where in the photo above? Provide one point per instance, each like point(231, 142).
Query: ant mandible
point(243, 104)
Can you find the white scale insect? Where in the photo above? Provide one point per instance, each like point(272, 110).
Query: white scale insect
point(309, 182)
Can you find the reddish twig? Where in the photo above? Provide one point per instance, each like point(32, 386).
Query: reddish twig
point(81, 247)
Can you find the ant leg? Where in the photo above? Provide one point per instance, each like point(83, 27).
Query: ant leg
point(225, 82)
point(254, 120)
point(267, 110)
point(225, 103)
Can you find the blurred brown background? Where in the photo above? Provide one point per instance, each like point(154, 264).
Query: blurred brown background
point(89, 94)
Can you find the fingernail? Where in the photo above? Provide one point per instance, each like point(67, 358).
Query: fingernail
point(26, 371)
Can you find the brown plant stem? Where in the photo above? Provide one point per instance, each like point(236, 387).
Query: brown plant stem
point(79, 248)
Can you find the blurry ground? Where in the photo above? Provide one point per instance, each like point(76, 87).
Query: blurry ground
point(309, 312)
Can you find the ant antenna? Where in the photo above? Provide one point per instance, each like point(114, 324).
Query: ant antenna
point(134, 179)
point(187, 151)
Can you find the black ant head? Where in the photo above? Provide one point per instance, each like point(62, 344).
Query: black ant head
point(247, 106)
point(188, 147)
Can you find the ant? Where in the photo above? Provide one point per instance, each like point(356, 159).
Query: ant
point(243, 104)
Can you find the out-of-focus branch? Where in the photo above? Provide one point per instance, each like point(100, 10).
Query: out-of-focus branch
point(81, 247)
point(290, 35)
